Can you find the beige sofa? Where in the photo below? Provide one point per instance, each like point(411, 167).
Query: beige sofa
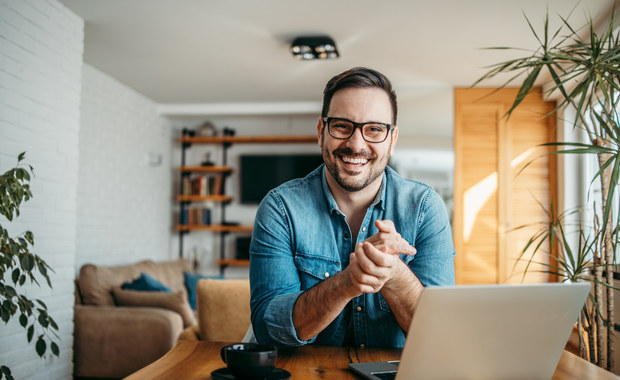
point(119, 331)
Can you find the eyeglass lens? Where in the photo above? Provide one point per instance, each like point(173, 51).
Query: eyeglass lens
point(343, 129)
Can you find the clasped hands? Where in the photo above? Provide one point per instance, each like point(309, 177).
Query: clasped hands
point(375, 262)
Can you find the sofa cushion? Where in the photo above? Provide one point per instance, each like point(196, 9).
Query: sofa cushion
point(96, 282)
point(191, 281)
point(146, 283)
point(223, 308)
point(175, 301)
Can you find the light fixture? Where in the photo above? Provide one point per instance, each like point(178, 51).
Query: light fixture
point(314, 47)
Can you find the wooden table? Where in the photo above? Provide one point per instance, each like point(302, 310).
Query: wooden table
point(197, 359)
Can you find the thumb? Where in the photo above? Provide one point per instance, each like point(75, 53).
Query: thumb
point(385, 225)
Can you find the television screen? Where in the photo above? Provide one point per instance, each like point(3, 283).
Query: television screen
point(261, 173)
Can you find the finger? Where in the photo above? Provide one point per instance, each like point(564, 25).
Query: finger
point(365, 264)
point(382, 263)
point(365, 283)
point(372, 262)
point(407, 249)
point(387, 230)
point(394, 245)
point(382, 235)
point(362, 281)
point(383, 238)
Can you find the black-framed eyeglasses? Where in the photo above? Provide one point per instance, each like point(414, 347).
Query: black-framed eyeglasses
point(342, 129)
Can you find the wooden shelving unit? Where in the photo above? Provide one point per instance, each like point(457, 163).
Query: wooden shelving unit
point(213, 227)
point(233, 262)
point(248, 139)
point(204, 198)
point(205, 169)
point(221, 198)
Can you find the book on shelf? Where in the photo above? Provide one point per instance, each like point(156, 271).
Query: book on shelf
point(183, 217)
point(217, 185)
point(199, 185)
point(202, 185)
point(196, 216)
point(186, 186)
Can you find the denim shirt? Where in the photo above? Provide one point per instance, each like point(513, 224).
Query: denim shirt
point(300, 238)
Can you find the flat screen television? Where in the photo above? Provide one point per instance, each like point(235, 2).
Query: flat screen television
point(261, 173)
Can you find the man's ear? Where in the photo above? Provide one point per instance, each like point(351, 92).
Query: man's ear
point(319, 131)
point(393, 140)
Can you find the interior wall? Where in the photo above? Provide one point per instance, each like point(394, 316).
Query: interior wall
point(41, 46)
point(124, 189)
point(426, 117)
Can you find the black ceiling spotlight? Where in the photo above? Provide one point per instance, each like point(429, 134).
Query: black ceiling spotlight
point(314, 47)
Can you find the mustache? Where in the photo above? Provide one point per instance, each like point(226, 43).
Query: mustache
point(345, 151)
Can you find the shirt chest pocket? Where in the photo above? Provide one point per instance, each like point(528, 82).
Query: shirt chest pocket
point(314, 269)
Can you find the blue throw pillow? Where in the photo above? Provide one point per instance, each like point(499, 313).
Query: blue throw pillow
point(191, 281)
point(146, 283)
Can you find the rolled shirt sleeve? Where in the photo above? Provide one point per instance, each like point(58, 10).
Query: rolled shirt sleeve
point(278, 319)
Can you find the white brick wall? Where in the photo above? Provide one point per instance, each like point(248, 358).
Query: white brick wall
point(41, 46)
point(124, 203)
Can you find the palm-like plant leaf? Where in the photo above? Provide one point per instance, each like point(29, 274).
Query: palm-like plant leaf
point(585, 73)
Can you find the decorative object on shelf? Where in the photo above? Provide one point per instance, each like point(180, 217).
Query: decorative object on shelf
point(228, 131)
point(16, 257)
point(207, 161)
point(206, 129)
point(583, 71)
point(314, 47)
point(186, 132)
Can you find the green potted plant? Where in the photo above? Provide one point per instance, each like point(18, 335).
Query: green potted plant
point(19, 265)
point(583, 67)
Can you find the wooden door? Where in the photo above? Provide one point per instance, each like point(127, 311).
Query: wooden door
point(504, 179)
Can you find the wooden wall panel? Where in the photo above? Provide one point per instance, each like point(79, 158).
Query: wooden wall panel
point(502, 176)
point(476, 261)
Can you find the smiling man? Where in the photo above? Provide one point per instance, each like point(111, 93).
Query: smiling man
point(341, 256)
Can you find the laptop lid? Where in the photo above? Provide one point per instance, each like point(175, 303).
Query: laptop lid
point(490, 331)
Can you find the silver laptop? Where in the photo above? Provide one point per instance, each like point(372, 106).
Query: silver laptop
point(485, 332)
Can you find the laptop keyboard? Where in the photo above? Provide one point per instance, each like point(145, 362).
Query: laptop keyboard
point(385, 375)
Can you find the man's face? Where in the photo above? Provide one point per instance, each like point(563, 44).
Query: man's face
point(355, 163)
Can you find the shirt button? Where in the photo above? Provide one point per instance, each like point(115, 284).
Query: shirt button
point(346, 236)
point(359, 308)
point(326, 274)
point(362, 345)
point(363, 229)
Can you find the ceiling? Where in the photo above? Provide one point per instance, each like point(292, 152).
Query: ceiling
point(236, 51)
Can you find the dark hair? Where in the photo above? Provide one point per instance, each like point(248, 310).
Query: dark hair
point(358, 77)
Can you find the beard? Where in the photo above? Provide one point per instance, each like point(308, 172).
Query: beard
point(354, 181)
